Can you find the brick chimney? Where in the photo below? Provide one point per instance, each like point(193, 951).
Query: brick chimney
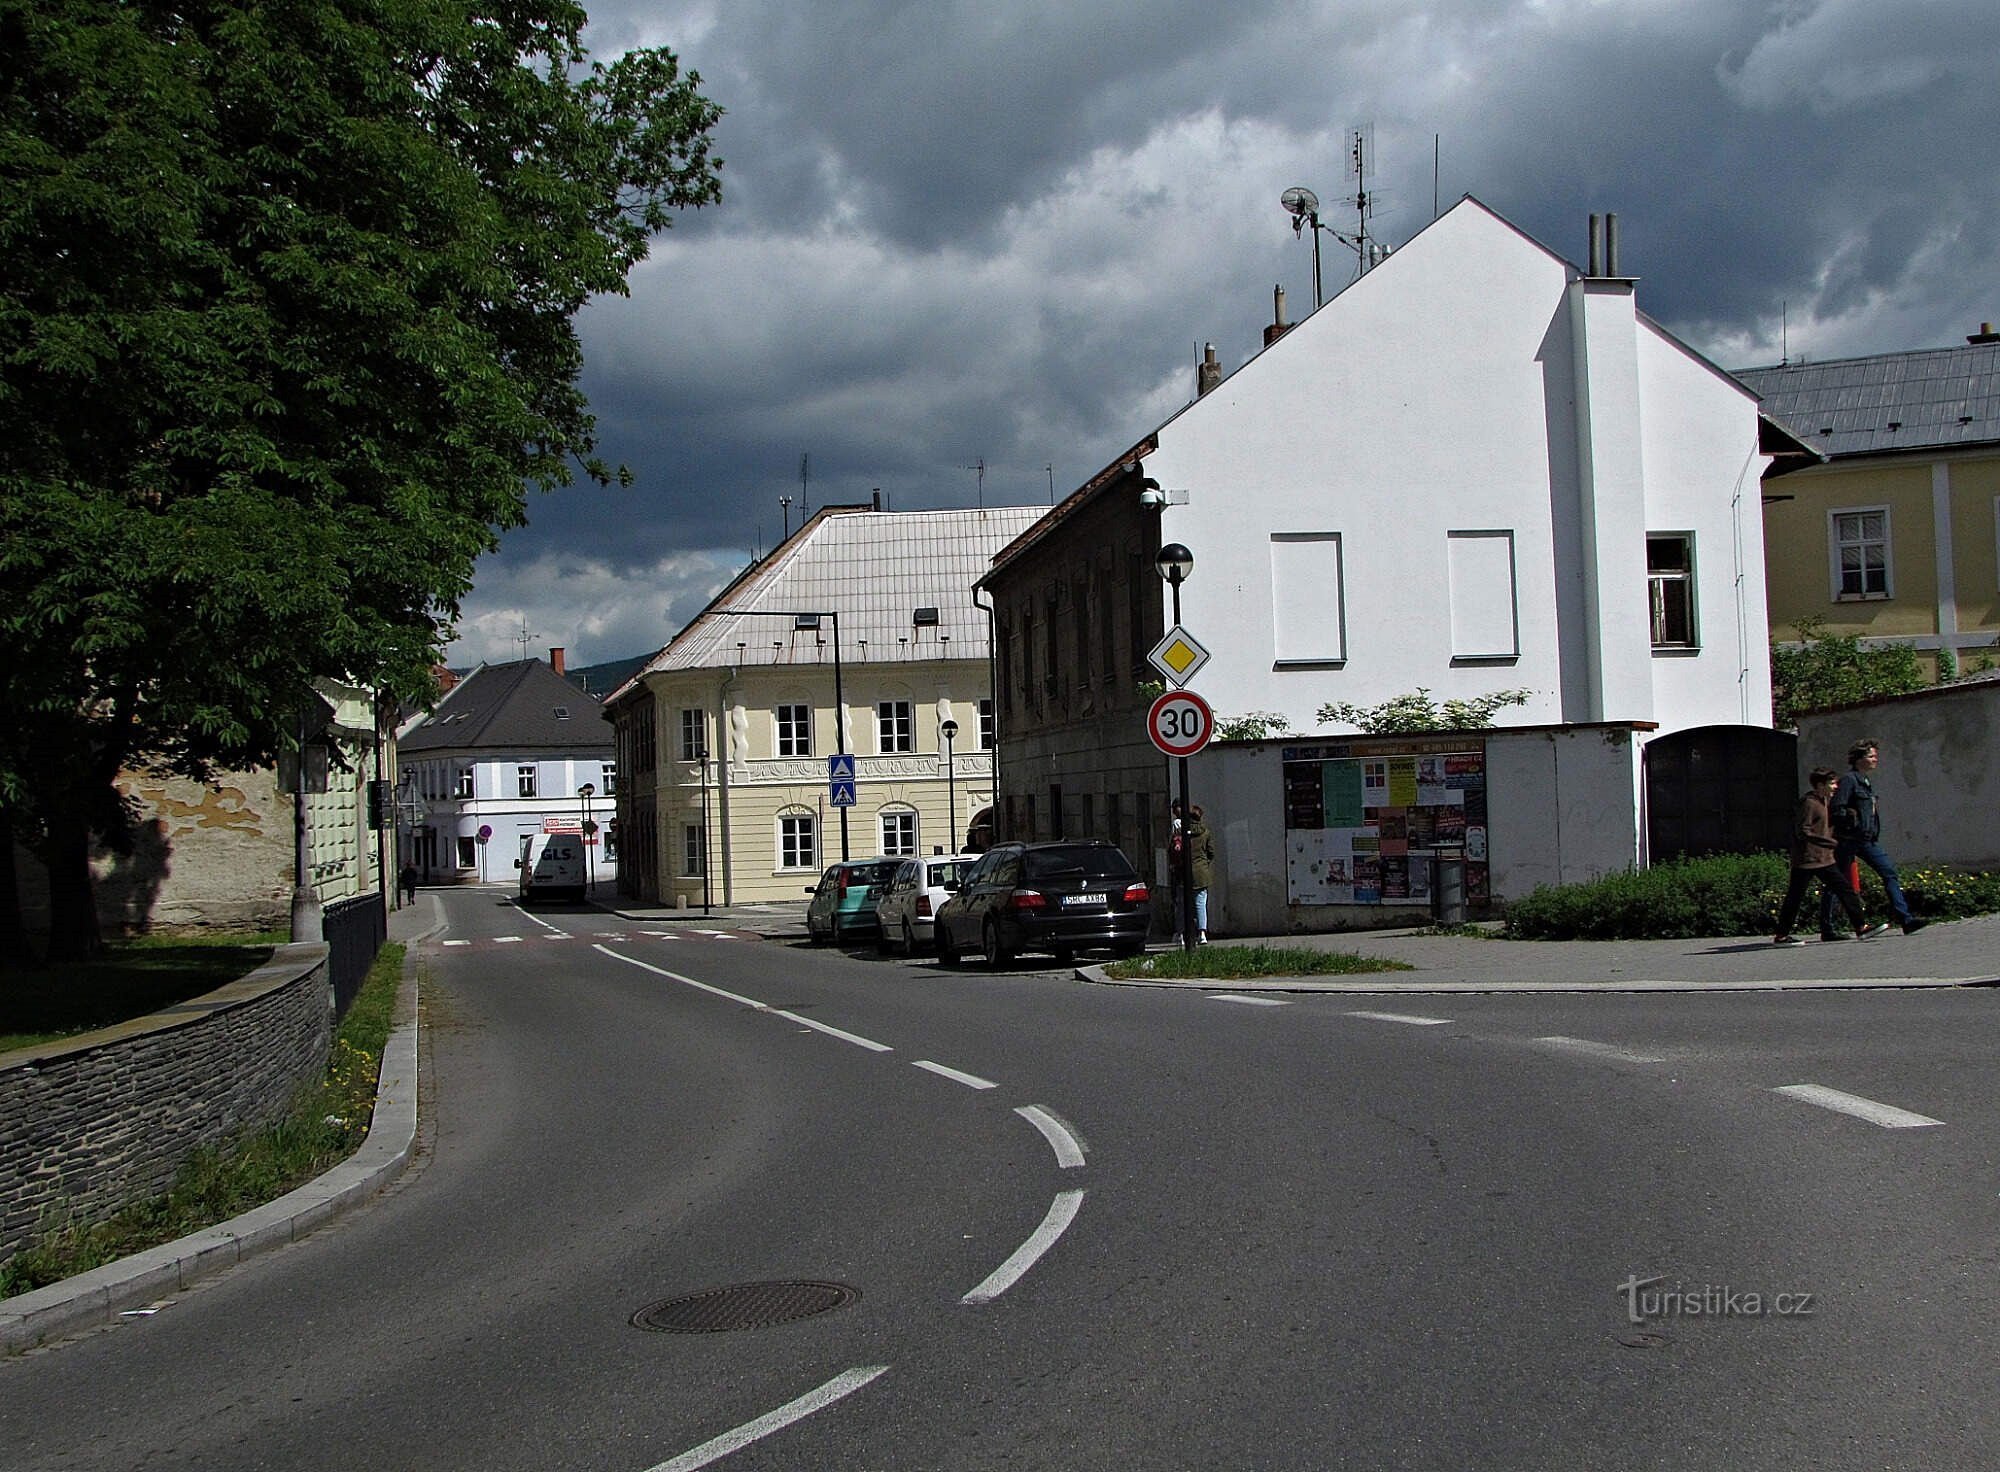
point(556, 660)
point(1279, 327)
point(1984, 334)
point(1209, 374)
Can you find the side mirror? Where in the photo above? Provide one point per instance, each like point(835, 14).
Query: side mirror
point(951, 886)
point(812, 889)
point(518, 864)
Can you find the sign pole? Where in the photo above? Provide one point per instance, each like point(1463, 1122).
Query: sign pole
point(1187, 864)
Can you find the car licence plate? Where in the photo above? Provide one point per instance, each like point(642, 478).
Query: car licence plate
point(1081, 899)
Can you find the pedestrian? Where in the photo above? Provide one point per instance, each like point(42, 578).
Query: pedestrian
point(1813, 858)
point(1176, 837)
point(408, 882)
point(1857, 832)
point(1201, 857)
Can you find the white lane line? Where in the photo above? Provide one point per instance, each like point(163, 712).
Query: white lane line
point(537, 919)
point(558, 935)
point(507, 940)
point(1599, 1050)
point(457, 942)
point(1061, 1213)
point(1069, 1151)
point(1250, 1001)
point(1403, 1017)
point(717, 934)
point(1886, 1115)
point(657, 934)
point(783, 1416)
point(832, 1032)
point(970, 1080)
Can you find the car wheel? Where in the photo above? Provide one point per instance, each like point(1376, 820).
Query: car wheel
point(947, 949)
point(909, 940)
point(881, 940)
point(997, 954)
point(1125, 950)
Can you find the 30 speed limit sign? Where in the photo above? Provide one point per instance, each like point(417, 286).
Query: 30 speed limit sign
point(1180, 723)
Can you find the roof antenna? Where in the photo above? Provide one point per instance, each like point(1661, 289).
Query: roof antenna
point(1051, 469)
point(805, 504)
point(524, 638)
point(1784, 334)
point(980, 466)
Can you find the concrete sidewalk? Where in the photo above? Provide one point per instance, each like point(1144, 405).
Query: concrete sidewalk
point(132, 1283)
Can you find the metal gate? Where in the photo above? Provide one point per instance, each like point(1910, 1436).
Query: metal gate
point(1720, 790)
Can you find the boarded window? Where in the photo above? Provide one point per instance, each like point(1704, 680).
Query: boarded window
point(1308, 598)
point(1484, 611)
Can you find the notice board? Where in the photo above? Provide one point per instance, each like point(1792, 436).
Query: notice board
point(1363, 819)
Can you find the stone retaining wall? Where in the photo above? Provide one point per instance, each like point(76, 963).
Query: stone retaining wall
point(96, 1122)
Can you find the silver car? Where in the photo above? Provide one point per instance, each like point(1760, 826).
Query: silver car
point(909, 902)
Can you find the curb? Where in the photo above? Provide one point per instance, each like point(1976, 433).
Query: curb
point(1096, 975)
point(102, 1294)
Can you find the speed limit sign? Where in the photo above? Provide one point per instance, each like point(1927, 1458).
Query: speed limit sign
point(1180, 723)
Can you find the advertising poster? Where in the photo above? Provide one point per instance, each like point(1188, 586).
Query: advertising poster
point(1364, 819)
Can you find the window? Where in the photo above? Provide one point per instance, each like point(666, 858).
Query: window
point(798, 841)
point(1136, 575)
point(1479, 575)
point(795, 730)
point(694, 737)
point(1859, 547)
point(986, 733)
point(1030, 697)
point(525, 778)
point(1308, 603)
point(899, 834)
point(694, 849)
point(1670, 588)
point(895, 726)
point(461, 785)
point(1107, 625)
point(468, 853)
point(609, 778)
point(1079, 607)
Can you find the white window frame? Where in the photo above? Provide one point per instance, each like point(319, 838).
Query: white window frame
point(1477, 563)
point(988, 732)
point(461, 787)
point(798, 841)
point(525, 780)
point(1834, 543)
point(1308, 627)
point(694, 850)
point(903, 844)
point(793, 738)
point(1655, 583)
point(895, 727)
point(607, 777)
point(694, 734)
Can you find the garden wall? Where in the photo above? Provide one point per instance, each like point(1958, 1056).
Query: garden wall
point(96, 1122)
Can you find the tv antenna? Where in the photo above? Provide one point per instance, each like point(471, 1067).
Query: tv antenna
point(524, 638)
point(980, 466)
point(805, 504)
point(786, 502)
point(1303, 206)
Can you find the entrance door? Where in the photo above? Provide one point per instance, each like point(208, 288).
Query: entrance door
point(1720, 790)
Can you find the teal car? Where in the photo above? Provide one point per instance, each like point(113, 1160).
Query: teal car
point(843, 902)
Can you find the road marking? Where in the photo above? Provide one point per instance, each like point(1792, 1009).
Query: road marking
point(1401, 1017)
point(1061, 1213)
point(970, 1080)
point(832, 1032)
point(559, 935)
point(458, 942)
point(797, 1410)
point(718, 934)
point(1886, 1115)
point(658, 934)
point(1250, 1001)
point(1069, 1152)
point(1599, 1050)
point(506, 940)
point(537, 919)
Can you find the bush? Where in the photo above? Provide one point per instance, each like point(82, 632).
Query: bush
point(1724, 894)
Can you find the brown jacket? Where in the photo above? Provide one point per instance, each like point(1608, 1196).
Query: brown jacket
point(1812, 835)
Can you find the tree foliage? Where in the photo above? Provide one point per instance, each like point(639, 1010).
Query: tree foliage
point(1418, 712)
point(1253, 725)
point(1825, 669)
point(286, 302)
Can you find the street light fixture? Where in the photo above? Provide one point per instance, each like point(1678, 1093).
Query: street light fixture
point(949, 730)
point(586, 792)
point(1173, 563)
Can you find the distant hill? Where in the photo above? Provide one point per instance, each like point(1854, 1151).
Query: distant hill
point(601, 679)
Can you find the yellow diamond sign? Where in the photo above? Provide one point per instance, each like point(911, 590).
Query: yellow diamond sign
point(1178, 656)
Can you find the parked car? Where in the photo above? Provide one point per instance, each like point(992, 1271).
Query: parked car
point(843, 902)
point(1058, 897)
point(907, 909)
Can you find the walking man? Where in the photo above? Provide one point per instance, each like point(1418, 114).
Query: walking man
point(1857, 832)
point(1812, 858)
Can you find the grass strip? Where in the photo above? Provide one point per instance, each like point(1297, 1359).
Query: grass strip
point(326, 1123)
point(44, 1004)
point(1218, 963)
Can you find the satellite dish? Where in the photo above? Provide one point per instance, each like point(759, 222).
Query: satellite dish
point(1299, 201)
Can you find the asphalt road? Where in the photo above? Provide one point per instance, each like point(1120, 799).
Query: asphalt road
point(1304, 1232)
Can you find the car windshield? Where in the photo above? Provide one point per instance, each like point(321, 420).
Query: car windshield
point(953, 872)
point(1088, 861)
point(871, 873)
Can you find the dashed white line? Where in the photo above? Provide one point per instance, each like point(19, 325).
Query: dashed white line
point(458, 942)
point(813, 1400)
point(1061, 1213)
point(1250, 1001)
point(1069, 1151)
point(1404, 1018)
point(1886, 1115)
point(970, 1080)
point(1599, 1050)
point(832, 1032)
point(506, 940)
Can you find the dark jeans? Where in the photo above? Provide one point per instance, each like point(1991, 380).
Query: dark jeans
point(1871, 854)
point(1832, 890)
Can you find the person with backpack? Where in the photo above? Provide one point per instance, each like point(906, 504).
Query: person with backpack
point(1857, 832)
point(1813, 858)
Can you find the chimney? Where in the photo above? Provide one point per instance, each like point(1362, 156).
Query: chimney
point(875, 499)
point(556, 660)
point(1596, 266)
point(1279, 326)
point(1611, 245)
point(1984, 334)
point(1209, 374)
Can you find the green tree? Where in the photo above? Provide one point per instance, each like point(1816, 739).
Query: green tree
point(286, 302)
point(1252, 725)
point(1418, 712)
point(1825, 669)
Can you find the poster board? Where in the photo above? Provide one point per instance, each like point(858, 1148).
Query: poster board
point(1363, 819)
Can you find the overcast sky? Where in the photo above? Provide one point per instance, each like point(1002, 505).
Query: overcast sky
point(1001, 231)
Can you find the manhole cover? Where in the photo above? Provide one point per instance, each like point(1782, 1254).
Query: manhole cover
point(744, 1306)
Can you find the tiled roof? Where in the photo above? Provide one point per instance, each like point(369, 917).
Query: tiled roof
point(876, 569)
point(1928, 398)
point(512, 707)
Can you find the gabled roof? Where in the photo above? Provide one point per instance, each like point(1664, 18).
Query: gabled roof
point(876, 569)
point(525, 706)
point(1923, 399)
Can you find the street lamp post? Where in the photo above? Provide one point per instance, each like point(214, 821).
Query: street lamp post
point(949, 730)
point(586, 792)
point(1174, 563)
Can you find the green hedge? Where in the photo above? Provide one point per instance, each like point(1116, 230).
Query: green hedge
point(1728, 894)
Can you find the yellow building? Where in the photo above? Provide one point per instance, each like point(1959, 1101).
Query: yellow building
point(1895, 537)
point(727, 739)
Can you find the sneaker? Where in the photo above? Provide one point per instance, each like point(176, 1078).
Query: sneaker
point(1788, 940)
point(1869, 932)
point(1915, 923)
point(1836, 936)
point(1202, 939)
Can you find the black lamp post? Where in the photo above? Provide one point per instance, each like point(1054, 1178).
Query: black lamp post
point(949, 730)
point(586, 792)
point(1174, 563)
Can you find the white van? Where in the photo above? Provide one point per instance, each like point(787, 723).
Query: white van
point(552, 867)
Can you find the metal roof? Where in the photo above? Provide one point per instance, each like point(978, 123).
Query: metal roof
point(875, 569)
point(1923, 399)
point(512, 707)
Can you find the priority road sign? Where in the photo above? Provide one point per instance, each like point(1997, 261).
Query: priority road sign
point(1180, 723)
point(841, 794)
point(1179, 656)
